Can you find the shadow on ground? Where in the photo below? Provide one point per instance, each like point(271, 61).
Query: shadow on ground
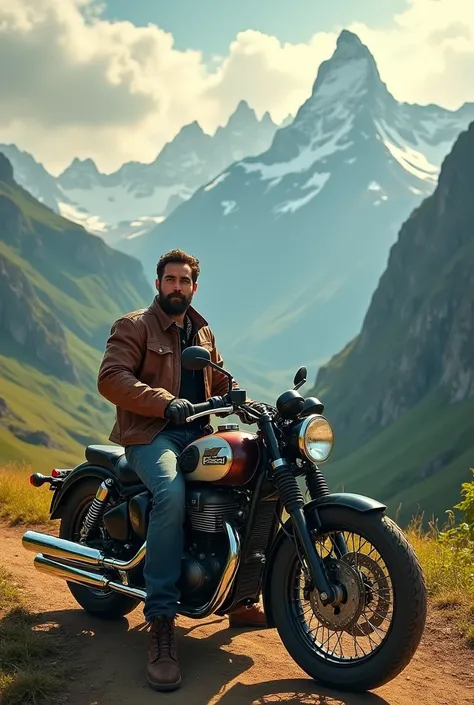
point(105, 663)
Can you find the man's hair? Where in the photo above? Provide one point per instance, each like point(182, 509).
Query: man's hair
point(179, 257)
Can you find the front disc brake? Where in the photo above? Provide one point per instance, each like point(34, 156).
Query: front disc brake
point(377, 591)
point(342, 616)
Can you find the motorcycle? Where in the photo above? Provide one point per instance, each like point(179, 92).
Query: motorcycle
point(338, 578)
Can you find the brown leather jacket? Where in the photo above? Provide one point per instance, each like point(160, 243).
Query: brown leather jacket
point(141, 371)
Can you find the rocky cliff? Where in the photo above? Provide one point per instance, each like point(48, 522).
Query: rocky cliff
point(401, 394)
point(418, 334)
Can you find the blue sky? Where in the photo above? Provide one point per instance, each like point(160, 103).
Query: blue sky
point(117, 92)
point(210, 25)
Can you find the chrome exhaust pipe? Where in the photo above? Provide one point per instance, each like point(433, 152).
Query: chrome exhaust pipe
point(71, 551)
point(225, 584)
point(68, 550)
point(83, 577)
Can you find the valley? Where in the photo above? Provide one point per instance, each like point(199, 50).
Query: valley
point(326, 241)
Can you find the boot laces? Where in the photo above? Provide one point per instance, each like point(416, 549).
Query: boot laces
point(162, 634)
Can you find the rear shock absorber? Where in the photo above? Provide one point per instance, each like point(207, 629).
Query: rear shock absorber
point(97, 509)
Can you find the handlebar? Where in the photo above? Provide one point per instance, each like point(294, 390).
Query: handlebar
point(214, 405)
point(218, 405)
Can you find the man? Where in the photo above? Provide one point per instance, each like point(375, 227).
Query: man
point(141, 374)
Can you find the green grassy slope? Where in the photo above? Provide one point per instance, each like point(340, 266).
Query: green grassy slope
point(61, 290)
point(416, 465)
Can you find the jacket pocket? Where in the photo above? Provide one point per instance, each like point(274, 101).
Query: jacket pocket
point(157, 347)
point(158, 365)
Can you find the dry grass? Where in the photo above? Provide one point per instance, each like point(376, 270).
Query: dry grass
point(20, 503)
point(449, 576)
point(31, 659)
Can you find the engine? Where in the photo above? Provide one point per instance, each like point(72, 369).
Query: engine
point(207, 509)
point(206, 544)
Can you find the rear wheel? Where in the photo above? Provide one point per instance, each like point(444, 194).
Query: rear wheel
point(101, 603)
point(372, 635)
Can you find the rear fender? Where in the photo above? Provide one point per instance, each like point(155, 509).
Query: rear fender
point(79, 474)
point(315, 511)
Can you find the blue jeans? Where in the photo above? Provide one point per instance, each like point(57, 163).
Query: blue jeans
point(156, 465)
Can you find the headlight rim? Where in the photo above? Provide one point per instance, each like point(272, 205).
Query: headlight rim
point(301, 435)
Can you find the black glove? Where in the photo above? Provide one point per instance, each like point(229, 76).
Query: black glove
point(178, 410)
point(259, 406)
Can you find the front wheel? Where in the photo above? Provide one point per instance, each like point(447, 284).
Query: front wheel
point(372, 635)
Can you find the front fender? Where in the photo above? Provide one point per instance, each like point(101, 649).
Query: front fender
point(358, 502)
point(314, 512)
point(82, 472)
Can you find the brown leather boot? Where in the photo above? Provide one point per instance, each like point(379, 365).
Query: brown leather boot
point(253, 616)
point(162, 671)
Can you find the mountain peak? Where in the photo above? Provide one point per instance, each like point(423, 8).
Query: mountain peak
point(349, 74)
point(82, 166)
point(243, 107)
point(6, 169)
point(193, 128)
point(348, 39)
point(243, 112)
point(267, 119)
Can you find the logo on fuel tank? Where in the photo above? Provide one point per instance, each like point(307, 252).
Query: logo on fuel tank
point(211, 456)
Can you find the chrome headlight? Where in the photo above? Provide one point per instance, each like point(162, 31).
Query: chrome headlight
point(316, 438)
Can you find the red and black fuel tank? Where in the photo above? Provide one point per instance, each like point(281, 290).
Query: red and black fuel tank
point(226, 457)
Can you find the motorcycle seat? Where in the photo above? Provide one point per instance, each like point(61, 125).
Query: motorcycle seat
point(113, 458)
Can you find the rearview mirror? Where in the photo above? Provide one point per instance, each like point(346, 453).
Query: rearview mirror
point(300, 377)
point(195, 358)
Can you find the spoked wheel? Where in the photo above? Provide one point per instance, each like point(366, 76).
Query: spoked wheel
point(102, 603)
point(359, 623)
point(370, 636)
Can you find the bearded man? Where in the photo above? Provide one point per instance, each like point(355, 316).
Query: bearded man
point(141, 374)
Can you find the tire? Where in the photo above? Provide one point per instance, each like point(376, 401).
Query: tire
point(409, 605)
point(104, 604)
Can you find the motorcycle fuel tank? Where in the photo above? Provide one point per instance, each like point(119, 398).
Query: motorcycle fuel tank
point(226, 457)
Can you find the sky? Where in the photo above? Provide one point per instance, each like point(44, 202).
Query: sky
point(115, 80)
point(294, 21)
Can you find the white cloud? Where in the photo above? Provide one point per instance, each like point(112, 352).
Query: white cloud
point(73, 84)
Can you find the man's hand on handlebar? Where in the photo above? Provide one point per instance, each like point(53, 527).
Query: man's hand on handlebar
point(178, 410)
point(181, 410)
point(245, 415)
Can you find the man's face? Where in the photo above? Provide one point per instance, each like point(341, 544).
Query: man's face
point(176, 288)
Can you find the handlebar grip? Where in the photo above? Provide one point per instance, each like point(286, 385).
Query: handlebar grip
point(209, 405)
point(199, 408)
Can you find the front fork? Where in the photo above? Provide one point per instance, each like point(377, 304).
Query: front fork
point(293, 501)
point(318, 487)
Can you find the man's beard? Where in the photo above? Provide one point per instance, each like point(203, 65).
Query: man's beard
point(175, 304)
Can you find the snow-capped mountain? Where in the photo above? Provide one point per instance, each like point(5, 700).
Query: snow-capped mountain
point(293, 241)
point(129, 201)
point(33, 176)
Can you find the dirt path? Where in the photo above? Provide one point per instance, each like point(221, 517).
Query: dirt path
point(220, 666)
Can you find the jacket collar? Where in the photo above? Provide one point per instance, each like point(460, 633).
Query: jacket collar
point(196, 318)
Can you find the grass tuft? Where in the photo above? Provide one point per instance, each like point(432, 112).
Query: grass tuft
point(20, 503)
point(32, 665)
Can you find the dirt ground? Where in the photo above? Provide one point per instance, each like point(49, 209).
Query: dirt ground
point(219, 665)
